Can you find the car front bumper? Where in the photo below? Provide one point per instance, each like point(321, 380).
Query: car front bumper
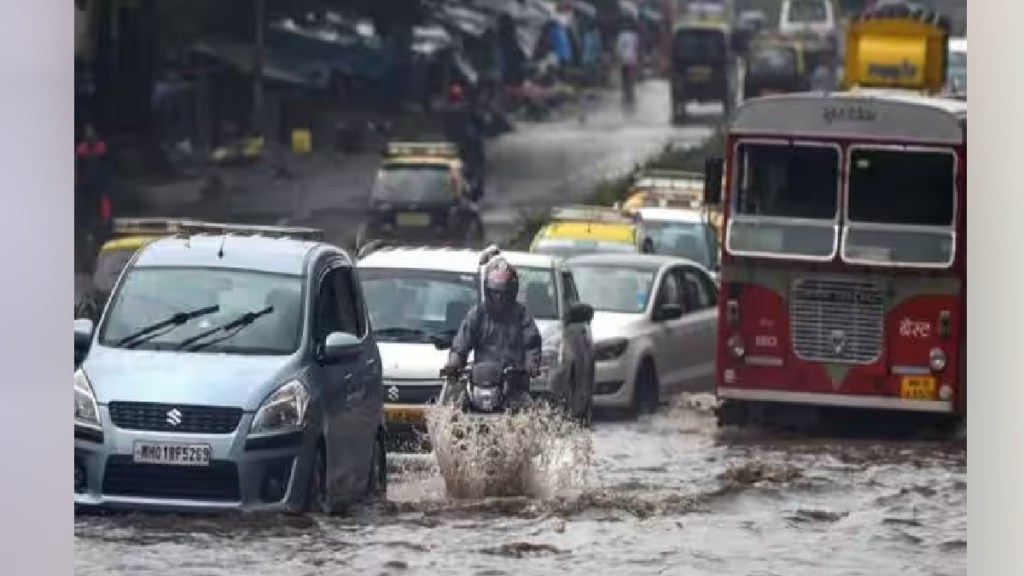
point(268, 472)
point(613, 383)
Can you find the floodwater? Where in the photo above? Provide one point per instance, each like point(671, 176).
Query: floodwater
point(668, 495)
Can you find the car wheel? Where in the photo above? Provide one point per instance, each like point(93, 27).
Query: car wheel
point(318, 500)
point(645, 390)
point(377, 483)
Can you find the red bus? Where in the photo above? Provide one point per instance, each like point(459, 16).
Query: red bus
point(844, 264)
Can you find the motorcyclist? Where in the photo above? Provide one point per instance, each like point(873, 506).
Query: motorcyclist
point(500, 329)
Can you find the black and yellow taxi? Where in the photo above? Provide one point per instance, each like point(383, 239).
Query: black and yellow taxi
point(575, 230)
point(421, 194)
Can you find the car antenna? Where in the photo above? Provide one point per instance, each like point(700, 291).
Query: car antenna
point(220, 250)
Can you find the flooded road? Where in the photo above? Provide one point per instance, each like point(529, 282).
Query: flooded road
point(670, 495)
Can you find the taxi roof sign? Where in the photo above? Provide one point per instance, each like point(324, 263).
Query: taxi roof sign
point(584, 213)
point(436, 149)
point(184, 227)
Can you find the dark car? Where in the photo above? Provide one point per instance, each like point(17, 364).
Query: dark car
point(775, 68)
point(702, 67)
point(421, 194)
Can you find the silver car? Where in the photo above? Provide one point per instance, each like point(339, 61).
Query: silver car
point(230, 372)
point(547, 289)
point(654, 327)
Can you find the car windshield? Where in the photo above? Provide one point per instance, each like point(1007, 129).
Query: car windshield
point(565, 247)
point(695, 45)
point(901, 206)
point(150, 295)
point(684, 239)
point(621, 288)
point(807, 11)
point(773, 60)
point(417, 305)
point(537, 292)
point(785, 200)
point(109, 265)
point(413, 183)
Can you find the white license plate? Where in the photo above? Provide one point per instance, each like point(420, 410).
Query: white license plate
point(172, 454)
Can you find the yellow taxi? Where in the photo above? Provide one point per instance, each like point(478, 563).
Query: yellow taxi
point(672, 189)
point(421, 194)
point(577, 230)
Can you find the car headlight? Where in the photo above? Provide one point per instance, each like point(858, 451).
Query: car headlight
point(87, 412)
point(937, 360)
point(286, 409)
point(610, 349)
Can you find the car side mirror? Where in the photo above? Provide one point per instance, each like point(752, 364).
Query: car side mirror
point(83, 333)
point(580, 313)
point(341, 346)
point(713, 170)
point(667, 312)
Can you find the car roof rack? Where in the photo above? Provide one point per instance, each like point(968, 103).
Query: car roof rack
point(435, 149)
point(184, 228)
point(586, 213)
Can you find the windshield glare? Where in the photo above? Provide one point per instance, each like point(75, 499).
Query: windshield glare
point(151, 295)
point(684, 239)
point(622, 290)
point(786, 200)
point(537, 292)
point(773, 60)
point(413, 183)
point(416, 305)
point(901, 189)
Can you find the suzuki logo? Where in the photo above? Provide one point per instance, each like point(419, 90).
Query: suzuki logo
point(393, 393)
point(173, 417)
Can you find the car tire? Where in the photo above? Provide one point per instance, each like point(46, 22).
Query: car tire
point(377, 483)
point(645, 390)
point(318, 500)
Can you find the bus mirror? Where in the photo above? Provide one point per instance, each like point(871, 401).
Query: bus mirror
point(713, 181)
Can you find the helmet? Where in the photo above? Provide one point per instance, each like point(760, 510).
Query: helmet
point(501, 286)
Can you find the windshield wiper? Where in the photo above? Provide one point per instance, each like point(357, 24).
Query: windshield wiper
point(403, 333)
point(158, 328)
point(229, 329)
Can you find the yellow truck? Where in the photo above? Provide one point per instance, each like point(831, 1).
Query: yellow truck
point(897, 47)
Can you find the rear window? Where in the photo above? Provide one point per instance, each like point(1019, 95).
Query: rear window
point(773, 60)
point(699, 45)
point(416, 183)
point(807, 11)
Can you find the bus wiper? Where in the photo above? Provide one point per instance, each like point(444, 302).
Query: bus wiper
point(163, 326)
point(229, 330)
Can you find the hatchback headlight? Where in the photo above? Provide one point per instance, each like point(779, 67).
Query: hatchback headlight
point(87, 412)
point(284, 410)
point(610, 349)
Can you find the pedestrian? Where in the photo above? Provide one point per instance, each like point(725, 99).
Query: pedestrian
point(627, 48)
point(93, 204)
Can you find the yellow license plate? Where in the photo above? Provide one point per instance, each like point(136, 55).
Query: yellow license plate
point(917, 387)
point(403, 415)
point(412, 219)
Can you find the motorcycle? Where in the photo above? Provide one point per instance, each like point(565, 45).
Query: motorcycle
point(484, 388)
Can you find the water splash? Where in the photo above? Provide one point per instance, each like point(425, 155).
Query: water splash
point(536, 452)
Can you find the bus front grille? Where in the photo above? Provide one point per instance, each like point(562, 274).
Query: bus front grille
point(837, 320)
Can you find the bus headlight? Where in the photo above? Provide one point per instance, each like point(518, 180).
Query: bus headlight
point(937, 360)
point(736, 347)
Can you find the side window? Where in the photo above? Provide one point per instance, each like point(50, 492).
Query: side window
point(670, 290)
point(349, 304)
point(328, 316)
point(699, 288)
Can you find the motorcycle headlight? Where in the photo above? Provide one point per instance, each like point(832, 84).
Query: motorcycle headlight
point(610, 349)
point(284, 410)
point(87, 412)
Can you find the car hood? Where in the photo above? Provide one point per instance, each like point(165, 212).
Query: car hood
point(185, 378)
point(607, 325)
point(411, 361)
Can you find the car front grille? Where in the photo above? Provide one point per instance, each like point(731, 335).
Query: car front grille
point(404, 393)
point(174, 418)
point(837, 320)
point(217, 482)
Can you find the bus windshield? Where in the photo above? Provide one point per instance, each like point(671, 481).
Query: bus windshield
point(785, 200)
point(901, 206)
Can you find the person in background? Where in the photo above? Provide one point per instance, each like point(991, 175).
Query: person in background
point(627, 51)
point(93, 204)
